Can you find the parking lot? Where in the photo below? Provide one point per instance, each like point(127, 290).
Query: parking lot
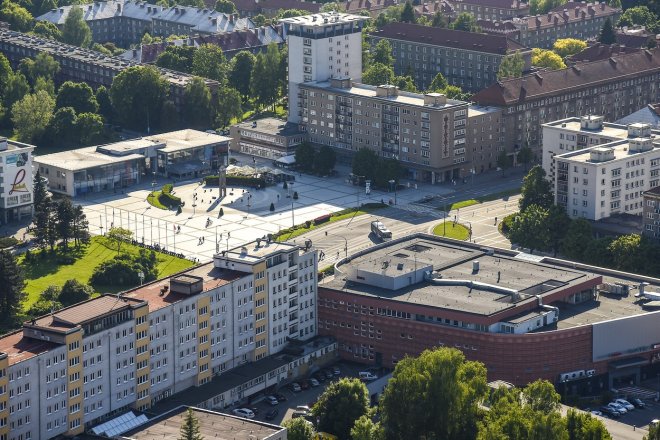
point(306, 397)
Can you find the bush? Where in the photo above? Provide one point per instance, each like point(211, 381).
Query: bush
point(123, 269)
point(308, 224)
point(507, 222)
point(251, 182)
point(74, 292)
point(167, 188)
point(7, 242)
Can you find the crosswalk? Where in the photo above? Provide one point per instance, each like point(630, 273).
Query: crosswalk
point(640, 393)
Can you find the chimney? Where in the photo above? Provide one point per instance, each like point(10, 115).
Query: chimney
point(435, 99)
point(602, 6)
point(118, 7)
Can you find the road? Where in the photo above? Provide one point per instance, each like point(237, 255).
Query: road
point(407, 219)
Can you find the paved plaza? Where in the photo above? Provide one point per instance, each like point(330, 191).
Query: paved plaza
point(198, 231)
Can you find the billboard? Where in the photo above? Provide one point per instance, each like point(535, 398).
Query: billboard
point(625, 336)
point(18, 179)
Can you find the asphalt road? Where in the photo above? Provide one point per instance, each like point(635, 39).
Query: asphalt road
point(342, 238)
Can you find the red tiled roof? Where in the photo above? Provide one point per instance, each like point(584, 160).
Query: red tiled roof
point(562, 81)
point(496, 44)
point(19, 349)
point(437, 6)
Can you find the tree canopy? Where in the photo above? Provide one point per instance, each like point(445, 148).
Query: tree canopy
point(198, 107)
point(78, 96)
point(240, 72)
point(340, 405)
point(225, 6)
point(547, 59)
point(137, 95)
point(209, 61)
point(438, 84)
point(465, 22)
point(229, 106)
point(75, 30)
point(299, 429)
point(607, 34)
point(190, 427)
point(11, 294)
point(408, 13)
point(536, 189)
point(378, 74)
point(382, 53)
point(565, 47)
point(511, 66)
point(31, 115)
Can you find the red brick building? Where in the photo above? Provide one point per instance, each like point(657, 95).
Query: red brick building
point(523, 319)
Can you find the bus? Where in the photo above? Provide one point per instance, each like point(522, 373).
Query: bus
point(380, 230)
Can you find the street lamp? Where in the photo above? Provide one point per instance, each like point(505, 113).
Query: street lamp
point(141, 277)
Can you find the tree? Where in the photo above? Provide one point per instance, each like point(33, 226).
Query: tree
point(333, 7)
point(450, 387)
point(340, 405)
point(529, 229)
point(557, 223)
point(536, 190)
point(89, 128)
point(607, 34)
point(225, 6)
point(46, 29)
point(627, 252)
point(578, 236)
point(75, 30)
point(118, 236)
point(583, 426)
point(511, 66)
point(229, 106)
point(365, 429)
point(386, 170)
point(383, 53)
point(378, 74)
point(190, 427)
point(5, 73)
point(137, 95)
point(62, 127)
point(405, 83)
point(179, 58)
point(408, 13)
point(455, 92)
point(439, 20)
point(305, 155)
point(78, 96)
point(299, 429)
point(260, 20)
point(547, 59)
point(45, 85)
point(325, 160)
point(541, 396)
point(264, 83)
point(105, 105)
point(17, 87)
point(209, 62)
point(197, 100)
point(42, 66)
point(439, 83)
point(465, 22)
point(654, 432)
point(640, 16)
point(289, 13)
point(42, 212)
point(11, 294)
point(73, 292)
point(565, 47)
point(525, 156)
point(240, 72)
point(31, 115)
point(17, 16)
point(365, 163)
point(80, 226)
point(64, 214)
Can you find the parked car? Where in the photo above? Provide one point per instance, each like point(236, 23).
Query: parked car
point(624, 403)
point(272, 400)
point(304, 408)
point(610, 411)
point(320, 377)
point(280, 397)
point(243, 412)
point(638, 403)
point(313, 382)
point(617, 406)
point(295, 387)
point(297, 414)
point(270, 415)
point(367, 376)
point(304, 384)
point(596, 413)
point(328, 373)
point(336, 371)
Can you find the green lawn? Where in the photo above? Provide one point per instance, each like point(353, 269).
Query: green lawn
point(456, 231)
point(463, 204)
point(152, 199)
point(47, 272)
point(341, 215)
point(486, 198)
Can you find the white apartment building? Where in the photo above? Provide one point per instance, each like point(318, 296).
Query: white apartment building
point(322, 46)
point(68, 370)
point(597, 182)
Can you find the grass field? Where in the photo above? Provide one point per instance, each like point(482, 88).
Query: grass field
point(42, 273)
point(341, 215)
point(456, 231)
point(478, 200)
point(153, 200)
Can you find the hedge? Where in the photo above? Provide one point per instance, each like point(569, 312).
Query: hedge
point(167, 188)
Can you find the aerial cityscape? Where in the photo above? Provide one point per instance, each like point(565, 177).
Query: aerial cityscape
point(330, 220)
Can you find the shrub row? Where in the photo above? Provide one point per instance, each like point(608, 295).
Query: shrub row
point(252, 182)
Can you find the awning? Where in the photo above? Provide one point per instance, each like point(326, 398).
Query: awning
point(627, 363)
point(287, 160)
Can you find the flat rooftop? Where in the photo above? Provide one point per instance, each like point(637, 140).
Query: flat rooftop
point(415, 99)
point(157, 297)
point(272, 126)
point(184, 139)
point(478, 110)
point(608, 129)
point(83, 159)
point(211, 425)
point(250, 253)
point(621, 149)
point(461, 289)
point(19, 349)
point(128, 146)
point(453, 265)
point(323, 19)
